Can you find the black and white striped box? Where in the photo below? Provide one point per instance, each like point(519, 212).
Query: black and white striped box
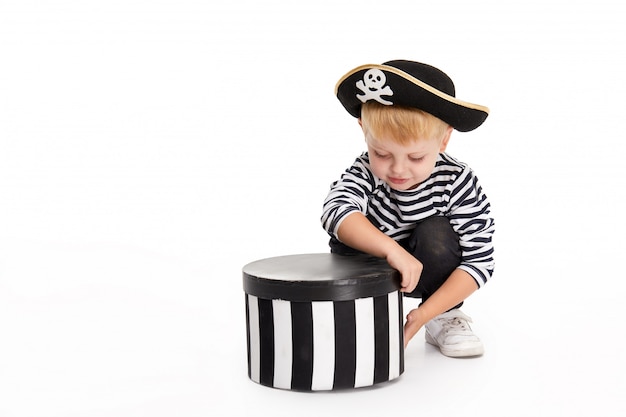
point(323, 322)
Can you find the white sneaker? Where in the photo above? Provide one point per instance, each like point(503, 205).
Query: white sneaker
point(451, 333)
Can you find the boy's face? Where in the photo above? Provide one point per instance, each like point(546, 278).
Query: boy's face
point(404, 167)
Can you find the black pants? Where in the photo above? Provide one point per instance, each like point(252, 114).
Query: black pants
point(435, 244)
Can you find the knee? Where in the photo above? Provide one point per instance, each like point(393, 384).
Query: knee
point(435, 239)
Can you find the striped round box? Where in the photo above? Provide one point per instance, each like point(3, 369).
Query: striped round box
point(322, 321)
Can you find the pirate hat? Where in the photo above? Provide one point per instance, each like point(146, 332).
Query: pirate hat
point(409, 84)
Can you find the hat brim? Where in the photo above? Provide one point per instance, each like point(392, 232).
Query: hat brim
point(409, 91)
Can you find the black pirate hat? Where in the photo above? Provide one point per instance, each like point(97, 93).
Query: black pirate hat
point(410, 84)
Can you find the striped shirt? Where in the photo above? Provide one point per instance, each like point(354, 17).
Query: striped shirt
point(452, 190)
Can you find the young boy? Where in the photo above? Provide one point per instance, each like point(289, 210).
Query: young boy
point(409, 202)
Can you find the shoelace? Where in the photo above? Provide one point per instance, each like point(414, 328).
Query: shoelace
point(456, 324)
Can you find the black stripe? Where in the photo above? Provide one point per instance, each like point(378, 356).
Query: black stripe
point(401, 330)
point(302, 339)
point(381, 339)
point(248, 334)
point(345, 344)
point(266, 336)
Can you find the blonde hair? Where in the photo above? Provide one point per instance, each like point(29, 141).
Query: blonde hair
point(401, 124)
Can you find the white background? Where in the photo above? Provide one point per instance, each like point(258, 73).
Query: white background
point(150, 149)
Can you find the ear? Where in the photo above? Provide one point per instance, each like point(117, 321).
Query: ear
point(445, 139)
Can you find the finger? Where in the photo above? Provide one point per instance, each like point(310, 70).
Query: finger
point(407, 288)
point(405, 283)
point(411, 284)
point(409, 330)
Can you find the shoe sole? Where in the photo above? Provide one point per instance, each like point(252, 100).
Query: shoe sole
point(476, 350)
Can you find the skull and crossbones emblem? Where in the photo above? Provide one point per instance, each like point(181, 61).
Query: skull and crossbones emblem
point(373, 87)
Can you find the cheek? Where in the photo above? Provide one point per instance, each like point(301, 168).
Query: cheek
point(424, 170)
point(378, 167)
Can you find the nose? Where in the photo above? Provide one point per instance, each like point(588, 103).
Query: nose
point(397, 166)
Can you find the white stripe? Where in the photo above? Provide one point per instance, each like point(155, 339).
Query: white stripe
point(283, 351)
point(323, 345)
point(365, 350)
point(255, 343)
point(394, 336)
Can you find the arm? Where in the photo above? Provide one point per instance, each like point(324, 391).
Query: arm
point(357, 231)
point(343, 217)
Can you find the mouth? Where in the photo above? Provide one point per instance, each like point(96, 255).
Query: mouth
point(398, 181)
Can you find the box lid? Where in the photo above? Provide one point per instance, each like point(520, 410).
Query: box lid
point(320, 277)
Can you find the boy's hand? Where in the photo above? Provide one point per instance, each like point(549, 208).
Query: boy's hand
point(409, 267)
point(414, 323)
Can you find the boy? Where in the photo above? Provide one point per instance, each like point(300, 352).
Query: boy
point(409, 202)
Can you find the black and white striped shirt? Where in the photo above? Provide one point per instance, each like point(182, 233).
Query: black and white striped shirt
point(452, 190)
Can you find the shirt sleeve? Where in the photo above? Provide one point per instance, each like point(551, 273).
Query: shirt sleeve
point(348, 194)
point(470, 216)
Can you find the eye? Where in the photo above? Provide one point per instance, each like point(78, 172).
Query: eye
point(380, 155)
point(416, 159)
